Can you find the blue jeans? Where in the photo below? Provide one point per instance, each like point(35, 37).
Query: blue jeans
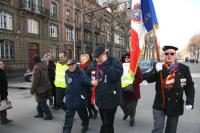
point(42, 107)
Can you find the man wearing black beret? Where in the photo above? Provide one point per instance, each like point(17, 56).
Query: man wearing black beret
point(176, 79)
point(108, 72)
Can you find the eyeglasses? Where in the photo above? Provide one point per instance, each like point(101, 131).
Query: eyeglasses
point(169, 53)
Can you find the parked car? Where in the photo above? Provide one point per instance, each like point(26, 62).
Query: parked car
point(28, 76)
point(147, 66)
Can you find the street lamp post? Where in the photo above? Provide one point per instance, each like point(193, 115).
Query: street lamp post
point(74, 14)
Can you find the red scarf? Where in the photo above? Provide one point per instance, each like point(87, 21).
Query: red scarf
point(84, 66)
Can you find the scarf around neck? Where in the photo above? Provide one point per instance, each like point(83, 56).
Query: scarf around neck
point(169, 73)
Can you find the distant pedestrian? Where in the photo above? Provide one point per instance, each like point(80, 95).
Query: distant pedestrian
point(41, 88)
point(76, 96)
point(175, 80)
point(51, 72)
point(84, 64)
point(108, 72)
point(130, 99)
point(59, 82)
point(3, 93)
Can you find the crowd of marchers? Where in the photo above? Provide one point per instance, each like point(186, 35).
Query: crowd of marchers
point(95, 88)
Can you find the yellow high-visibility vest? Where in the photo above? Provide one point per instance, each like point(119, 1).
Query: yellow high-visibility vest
point(60, 75)
point(127, 78)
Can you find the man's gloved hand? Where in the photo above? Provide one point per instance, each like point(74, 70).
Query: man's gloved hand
point(188, 107)
point(159, 66)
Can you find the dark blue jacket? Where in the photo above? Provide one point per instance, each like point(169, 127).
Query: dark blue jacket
point(76, 92)
point(108, 91)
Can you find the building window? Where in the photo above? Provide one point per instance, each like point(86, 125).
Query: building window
point(6, 20)
point(28, 4)
point(67, 15)
point(53, 9)
point(69, 34)
point(54, 52)
point(33, 26)
point(38, 6)
point(6, 49)
point(53, 30)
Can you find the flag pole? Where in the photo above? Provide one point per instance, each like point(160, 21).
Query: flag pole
point(158, 57)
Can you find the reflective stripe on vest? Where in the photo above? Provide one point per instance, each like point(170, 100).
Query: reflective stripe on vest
point(60, 75)
point(127, 77)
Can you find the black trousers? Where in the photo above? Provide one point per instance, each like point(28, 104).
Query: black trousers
point(53, 92)
point(42, 107)
point(107, 118)
point(129, 108)
point(3, 116)
point(60, 94)
point(69, 117)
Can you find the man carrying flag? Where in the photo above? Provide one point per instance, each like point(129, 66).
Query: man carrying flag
point(172, 80)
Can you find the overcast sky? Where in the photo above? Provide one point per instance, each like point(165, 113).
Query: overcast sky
point(178, 21)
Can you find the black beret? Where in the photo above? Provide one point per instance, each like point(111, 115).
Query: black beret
point(169, 47)
point(71, 61)
point(36, 59)
point(98, 51)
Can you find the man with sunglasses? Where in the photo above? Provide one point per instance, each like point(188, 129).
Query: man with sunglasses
point(174, 79)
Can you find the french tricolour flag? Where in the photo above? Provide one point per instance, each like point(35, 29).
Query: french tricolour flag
point(143, 18)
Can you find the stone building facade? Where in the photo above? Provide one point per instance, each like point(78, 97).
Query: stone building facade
point(35, 27)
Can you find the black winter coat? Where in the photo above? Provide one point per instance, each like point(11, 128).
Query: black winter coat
point(108, 91)
point(3, 85)
point(174, 96)
point(76, 92)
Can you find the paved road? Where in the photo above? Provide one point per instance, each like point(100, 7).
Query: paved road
point(24, 110)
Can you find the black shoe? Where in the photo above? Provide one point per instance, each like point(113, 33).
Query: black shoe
point(95, 114)
point(125, 117)
point(84, 129)
point(6, 121)
point(48, 118)
point(132, 123)
point(38, 116)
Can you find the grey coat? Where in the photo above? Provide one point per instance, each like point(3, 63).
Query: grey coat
point(41, 85)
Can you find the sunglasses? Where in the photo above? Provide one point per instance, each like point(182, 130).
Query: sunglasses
point(169, 53)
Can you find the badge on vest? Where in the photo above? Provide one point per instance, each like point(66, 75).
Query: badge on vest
point(69, 80)
point(183, 82)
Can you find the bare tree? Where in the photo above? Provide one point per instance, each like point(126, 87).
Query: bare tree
point(114, 17)
point(194, 46)
point(125, 23)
